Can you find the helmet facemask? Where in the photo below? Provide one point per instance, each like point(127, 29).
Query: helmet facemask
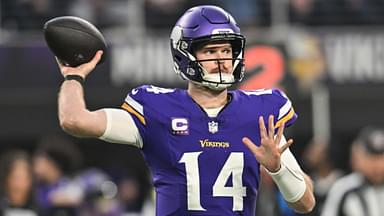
point(219, 80)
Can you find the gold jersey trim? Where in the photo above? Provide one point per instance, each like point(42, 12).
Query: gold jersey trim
point(131, 110)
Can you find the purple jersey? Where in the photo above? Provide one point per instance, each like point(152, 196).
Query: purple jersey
point(199, 164)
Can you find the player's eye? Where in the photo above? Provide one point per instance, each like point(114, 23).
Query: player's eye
point(227, 51)
point(209, 52)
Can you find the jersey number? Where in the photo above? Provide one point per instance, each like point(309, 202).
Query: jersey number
point(232, 167)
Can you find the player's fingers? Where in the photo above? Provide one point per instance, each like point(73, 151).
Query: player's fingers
point(252, 146)
point(286, 145)
point(63, 68)
point(271, 127)
point(280, 133)
point(92, 64)
point(97, 57)
point(263, 130)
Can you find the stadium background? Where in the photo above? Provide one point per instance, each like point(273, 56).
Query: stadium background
point(327, 55)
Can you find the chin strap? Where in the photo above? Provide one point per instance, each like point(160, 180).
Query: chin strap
point(215, 86)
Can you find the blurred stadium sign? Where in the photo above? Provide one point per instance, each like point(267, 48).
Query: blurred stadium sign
point(355, 57)
point(347, 58)
point(147, 60)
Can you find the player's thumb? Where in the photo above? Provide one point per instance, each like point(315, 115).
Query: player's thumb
point(88, 67)
point(247, 142)
point(97, 57)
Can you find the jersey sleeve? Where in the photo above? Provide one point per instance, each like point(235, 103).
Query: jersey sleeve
point(134, 104)
point(284, 110)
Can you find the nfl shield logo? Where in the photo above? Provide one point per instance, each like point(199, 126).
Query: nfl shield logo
point(213, 127)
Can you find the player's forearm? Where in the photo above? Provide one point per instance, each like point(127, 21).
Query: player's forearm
point(307, 202)
point(71, 107)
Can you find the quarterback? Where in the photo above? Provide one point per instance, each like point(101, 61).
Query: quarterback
point(205, 145)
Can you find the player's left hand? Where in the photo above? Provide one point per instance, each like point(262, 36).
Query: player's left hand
point(269, 152)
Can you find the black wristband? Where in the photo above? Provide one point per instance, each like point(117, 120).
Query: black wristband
point(78, 78)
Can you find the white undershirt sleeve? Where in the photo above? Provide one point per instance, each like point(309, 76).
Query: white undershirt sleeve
point(121, 128)
point(288, 158)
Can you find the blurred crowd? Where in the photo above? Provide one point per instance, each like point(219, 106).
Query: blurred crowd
point(32, 14)
point(51, 181)
point(336, 12)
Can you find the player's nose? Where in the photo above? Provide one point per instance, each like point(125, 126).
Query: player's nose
point(222, 66)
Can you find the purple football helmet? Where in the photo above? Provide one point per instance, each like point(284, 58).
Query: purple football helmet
point(199, 26)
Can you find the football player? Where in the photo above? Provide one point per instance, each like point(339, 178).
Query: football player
point(205, 145)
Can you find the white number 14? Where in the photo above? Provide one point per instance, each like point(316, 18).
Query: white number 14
point(233, 166)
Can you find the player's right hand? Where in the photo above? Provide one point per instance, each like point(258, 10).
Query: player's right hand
point(81, 70)
point(269, 152)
